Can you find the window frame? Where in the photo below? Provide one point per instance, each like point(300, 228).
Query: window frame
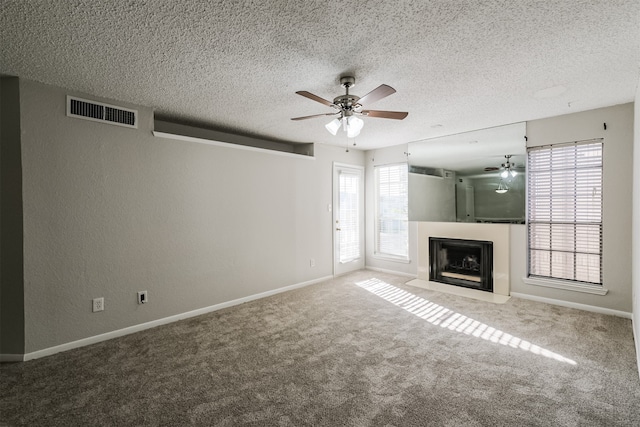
point(376, 249)
point(562, 282)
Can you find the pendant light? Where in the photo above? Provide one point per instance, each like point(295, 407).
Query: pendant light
point(502, 188)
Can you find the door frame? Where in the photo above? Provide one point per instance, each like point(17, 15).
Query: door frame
point(359, 263)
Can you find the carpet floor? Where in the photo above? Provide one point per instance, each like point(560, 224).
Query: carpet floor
point(360, 350)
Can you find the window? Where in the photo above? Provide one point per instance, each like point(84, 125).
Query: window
point(391, 222)
point(565, 211)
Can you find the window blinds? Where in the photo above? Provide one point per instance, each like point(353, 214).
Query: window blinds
point(565, 211)
point(392, 210)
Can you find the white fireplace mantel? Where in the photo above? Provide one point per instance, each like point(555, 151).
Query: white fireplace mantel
point(496, 233)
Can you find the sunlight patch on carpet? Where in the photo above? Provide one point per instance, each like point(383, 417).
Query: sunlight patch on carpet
point(446, 318)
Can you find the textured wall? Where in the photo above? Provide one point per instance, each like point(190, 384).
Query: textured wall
point(11, 283)
point(109, 211)
point(617, 194)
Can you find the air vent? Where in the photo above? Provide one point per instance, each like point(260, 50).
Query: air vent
point(99, 112)
point(435, 172)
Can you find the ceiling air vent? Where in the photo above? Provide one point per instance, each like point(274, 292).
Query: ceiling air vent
point(435, 172)
point(100, 112)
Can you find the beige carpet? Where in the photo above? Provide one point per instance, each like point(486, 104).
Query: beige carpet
point(363, 349)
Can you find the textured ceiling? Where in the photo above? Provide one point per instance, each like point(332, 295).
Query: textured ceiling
point(236, 65)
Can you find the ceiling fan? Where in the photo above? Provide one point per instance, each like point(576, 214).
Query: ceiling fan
point(508, 168)
point(347, 107)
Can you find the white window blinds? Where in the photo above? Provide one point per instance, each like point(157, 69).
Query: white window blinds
point(349, 213)
point(392, 211)
point(565, 211)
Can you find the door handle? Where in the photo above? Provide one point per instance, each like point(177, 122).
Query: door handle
point(337, 229)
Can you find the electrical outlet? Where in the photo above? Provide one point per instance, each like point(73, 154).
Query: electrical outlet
point(142, 297)
point(98, 304)
point(312, 262)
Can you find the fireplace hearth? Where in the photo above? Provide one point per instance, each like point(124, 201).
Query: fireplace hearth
point(467, 263)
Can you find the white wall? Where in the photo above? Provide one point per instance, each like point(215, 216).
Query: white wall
point(617, 179)
point(385, 156)
point(636, 224)
point(109, 211)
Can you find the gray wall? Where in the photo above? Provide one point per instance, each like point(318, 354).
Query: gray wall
point(11, 277)
point(491, 205)
point(109, 211)
point(432, 198)
point(617, 195)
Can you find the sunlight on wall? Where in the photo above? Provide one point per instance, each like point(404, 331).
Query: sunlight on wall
point(445, 318)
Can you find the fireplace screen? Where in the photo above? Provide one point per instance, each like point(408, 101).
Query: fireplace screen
point(467, 263)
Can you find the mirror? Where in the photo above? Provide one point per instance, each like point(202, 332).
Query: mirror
point(454, 178)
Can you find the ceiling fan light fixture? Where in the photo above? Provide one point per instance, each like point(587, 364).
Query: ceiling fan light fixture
point(333, 126)
point(504, 173)
point(352, 133)
point(502, 188)
point(354, 126)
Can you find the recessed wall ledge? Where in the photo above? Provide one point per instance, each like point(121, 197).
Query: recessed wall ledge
point(567, 286)
point(180, 132)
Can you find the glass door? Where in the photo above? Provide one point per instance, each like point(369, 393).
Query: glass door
point(348, 218)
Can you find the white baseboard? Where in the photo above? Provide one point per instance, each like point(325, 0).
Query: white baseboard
point(148, 325)
point(635, 340)
point(576, 305)
point(397, 273)
point(11, 357)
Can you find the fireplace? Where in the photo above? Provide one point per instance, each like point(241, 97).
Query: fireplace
point(467, 263)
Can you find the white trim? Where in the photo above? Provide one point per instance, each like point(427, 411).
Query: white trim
point(637, 344)
point(11, 358)
point(376, 214)
point(575, 305)
point(342, 267)
point(384, 270)
point(392, 258)
point(566, 285)
point(229, 145)
point(348, 166)
point(148, 325)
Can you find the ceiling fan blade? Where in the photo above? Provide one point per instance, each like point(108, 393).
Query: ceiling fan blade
point(315, 115)
point(397, 115)
point(377, 94)
point(315, 98)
